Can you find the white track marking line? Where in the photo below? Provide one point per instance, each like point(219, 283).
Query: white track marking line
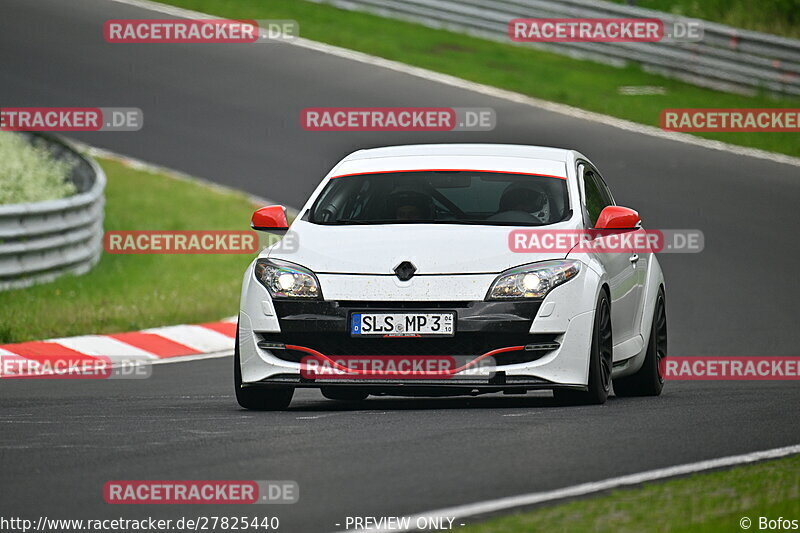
point(326, 415)
point(10, 360)
point(100, 345)
point(190, 358)
point(502, 504)
point(116, 362)
point(491, 91)
point(204, 340)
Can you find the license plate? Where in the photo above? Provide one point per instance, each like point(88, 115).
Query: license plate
point(402, 324)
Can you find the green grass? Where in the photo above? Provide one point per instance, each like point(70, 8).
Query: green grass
point(711, 502)
point(132, 292)
point(779, 17)
point(539, 74)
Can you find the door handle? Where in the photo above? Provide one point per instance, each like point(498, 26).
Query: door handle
point(634, 258)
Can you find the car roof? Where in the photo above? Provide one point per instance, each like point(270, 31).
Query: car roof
point(457, 149)
point(510, 158)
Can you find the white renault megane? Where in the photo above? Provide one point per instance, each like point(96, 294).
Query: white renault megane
point(408, 252)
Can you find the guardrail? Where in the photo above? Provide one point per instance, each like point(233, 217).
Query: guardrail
point(41, 241)
point(727, 58)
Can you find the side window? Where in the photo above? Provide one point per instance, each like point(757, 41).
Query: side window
point(604, 190)
point(597, 196)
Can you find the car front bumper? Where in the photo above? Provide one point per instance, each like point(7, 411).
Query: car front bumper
point(545, 360)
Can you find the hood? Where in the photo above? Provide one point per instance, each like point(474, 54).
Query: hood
point(432, 248)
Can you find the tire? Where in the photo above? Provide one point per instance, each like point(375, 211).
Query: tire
point(254, 398)
point(600, 361)
point(344, 394)
point(649, 381)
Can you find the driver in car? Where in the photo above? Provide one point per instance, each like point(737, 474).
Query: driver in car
point(527, 200)
point(411, 205)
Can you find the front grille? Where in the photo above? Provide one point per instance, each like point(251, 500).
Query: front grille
point(464, 343)
point(367, 304)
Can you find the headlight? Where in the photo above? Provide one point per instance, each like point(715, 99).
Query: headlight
point(534, 280)
point(287, 280)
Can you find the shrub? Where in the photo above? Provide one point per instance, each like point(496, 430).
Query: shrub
point(29, 173)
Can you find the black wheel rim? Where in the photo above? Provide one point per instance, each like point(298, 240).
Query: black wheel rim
point(605, 344)
point(660, 337)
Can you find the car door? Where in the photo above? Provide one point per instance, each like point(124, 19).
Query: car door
point(639, 260)
point(620, 266)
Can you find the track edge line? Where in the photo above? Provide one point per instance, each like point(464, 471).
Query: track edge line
point(583, 489)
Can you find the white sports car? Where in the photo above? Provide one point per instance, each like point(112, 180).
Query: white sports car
point(405, 255)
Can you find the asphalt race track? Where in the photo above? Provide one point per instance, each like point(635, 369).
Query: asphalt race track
point(230, 113)
point(62, 441)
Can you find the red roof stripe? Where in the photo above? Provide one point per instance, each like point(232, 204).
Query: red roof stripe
point(448, 170)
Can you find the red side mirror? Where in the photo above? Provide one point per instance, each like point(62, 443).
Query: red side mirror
point(270, 218)
point(617, 217)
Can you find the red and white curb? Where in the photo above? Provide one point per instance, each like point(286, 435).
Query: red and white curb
point(158, 345)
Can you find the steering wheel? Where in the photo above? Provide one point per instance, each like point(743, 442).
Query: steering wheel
point(327, 214)
point(543, 215)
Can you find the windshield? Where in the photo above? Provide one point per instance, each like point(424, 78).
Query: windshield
point(446, 197)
